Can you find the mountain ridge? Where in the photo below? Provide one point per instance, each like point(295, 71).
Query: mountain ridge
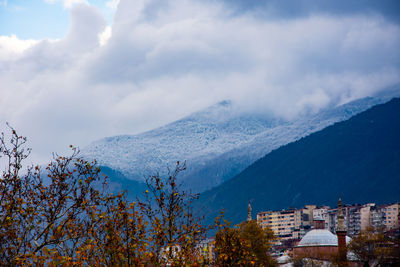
point(357, 159)
point(217, 143)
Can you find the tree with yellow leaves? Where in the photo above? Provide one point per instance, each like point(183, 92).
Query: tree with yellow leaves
point(372, 247)
point(174, 231)
point(64, 215)
point(247, 244)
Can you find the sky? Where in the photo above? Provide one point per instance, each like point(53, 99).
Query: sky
point(74, 71)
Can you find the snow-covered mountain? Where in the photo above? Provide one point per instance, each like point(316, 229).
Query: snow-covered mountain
point(217, 143)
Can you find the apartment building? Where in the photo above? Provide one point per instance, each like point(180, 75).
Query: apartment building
point(207, 248)
point(321, 213)
point(294, 223)
point(359, 217)
point(284, 223)
point(288, 224)
point(307, 216)
point(391, 215)
point(356, 218)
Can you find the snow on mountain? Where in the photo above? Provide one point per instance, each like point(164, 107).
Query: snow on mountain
point(204, 134)
point(217, 143)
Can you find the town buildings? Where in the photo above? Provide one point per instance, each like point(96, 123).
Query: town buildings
point(288, 224)
point(295, 223)
point(359, 217)
point(206, 248)
point(322, 245)
point(285, 223)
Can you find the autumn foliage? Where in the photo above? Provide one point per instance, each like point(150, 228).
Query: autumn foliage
point(64, 215)
point(374, 247)
point(245, 244)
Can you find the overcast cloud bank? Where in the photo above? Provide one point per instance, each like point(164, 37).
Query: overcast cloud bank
point(162, 60)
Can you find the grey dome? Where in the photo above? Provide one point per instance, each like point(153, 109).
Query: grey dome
point(320, 237)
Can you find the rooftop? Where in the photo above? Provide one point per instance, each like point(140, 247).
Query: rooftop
point(320, 237)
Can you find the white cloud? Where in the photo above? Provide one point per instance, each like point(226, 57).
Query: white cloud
point(67, 3)
point(70, 3)
point(11, 46)
point(165, 59)
point(105, 35)
point(113, 4)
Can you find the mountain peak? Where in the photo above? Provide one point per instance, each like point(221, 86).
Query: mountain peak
point(357, 155)
point(217, 143)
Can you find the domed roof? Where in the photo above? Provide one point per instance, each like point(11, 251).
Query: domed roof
point(320, 237)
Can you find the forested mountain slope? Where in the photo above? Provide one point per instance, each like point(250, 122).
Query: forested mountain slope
point(217, 143)
point(357, 159)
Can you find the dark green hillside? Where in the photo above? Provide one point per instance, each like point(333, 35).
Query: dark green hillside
point(358, 159)
point(117, 182)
